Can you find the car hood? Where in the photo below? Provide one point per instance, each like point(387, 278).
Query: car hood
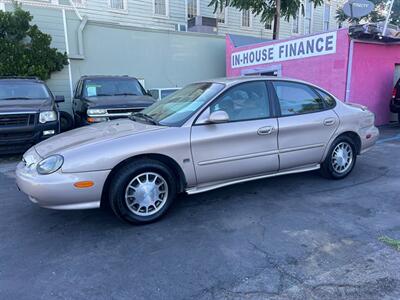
point(92, 134)
point(25, 105)
point(119, 101)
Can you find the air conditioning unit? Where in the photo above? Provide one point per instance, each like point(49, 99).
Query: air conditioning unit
point(180, 27)
point(203, 24)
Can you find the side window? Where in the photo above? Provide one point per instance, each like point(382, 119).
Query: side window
point(296, 98)
point(246, 101)
point(78, 89)
point(328, 99)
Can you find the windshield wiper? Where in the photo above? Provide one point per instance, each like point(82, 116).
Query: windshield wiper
point(102, 95)
point(148, 118)
point(125, 94)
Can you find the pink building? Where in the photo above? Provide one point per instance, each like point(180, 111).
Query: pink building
point(353, 70)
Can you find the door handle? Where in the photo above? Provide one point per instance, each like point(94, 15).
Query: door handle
point(329, 121)
point(265, 130)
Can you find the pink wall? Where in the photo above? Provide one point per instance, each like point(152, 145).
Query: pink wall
point(327, 71)
point(372, 77)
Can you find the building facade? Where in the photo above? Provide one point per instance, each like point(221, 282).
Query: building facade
point(165, 43)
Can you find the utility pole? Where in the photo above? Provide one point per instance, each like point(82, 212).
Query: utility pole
point(277, 20)
point(388, 17)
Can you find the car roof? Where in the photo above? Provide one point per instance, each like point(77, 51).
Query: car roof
point(107, 76)
point(20, 79)
point(239, 79)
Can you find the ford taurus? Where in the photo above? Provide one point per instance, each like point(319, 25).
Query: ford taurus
point(205, 136)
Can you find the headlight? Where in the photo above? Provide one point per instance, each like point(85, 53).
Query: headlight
point(94, 112)
point(47, 116)
point(50, 164)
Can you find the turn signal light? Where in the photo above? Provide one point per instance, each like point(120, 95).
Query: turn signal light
point(83, 184)
point(91, 120)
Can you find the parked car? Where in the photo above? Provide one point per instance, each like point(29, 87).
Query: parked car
point(205, 136)
point(395, 101)
point(28, 113)
point(104, 98)
point(161, 93)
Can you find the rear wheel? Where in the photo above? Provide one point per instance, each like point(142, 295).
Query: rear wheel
point(142, 191)
point(341, 158)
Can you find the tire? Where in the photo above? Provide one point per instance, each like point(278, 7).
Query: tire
point(66, 121)
point(341, 166)
point(147, 180)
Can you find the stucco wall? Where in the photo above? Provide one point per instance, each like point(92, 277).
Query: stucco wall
point(373, 71)
point(328, 71)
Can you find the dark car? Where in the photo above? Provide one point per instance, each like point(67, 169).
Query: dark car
point(104, 98)
point(28, 113)
point(395, 102)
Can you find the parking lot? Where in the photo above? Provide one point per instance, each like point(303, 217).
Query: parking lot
point(293, 237)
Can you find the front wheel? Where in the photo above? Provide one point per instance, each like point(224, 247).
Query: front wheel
point(341, 158)
point(142, 191)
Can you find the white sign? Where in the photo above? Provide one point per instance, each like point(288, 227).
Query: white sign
point(316, 45)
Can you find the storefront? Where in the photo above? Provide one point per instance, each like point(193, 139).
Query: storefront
point(359, 71)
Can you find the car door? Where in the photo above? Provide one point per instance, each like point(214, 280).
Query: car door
point(244, 146)
point(306, 124)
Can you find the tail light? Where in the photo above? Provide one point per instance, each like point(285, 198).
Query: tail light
point(394, 93)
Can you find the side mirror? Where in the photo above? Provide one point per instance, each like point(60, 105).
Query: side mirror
point(59, 99)
point(219, 116)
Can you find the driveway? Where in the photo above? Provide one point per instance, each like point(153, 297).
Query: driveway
point(292, 237)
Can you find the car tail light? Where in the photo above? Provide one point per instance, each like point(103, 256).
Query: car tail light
point(394, 93)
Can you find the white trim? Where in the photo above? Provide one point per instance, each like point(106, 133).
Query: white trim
point(71, 87)
point(349, 71)
point(250, 19)
point(198, 7)
point(41, 4)
point(166, 16)
point(2, 6)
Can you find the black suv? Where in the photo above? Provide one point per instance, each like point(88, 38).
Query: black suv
point(28, 113)
point(395, 102)
point(103, 98)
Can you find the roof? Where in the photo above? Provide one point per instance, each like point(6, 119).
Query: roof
point(107, 76)
point(235, 80)
point(244, 40)
point(20, 78)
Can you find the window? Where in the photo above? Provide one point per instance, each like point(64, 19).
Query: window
point(327, 16)
point(246, 18)
point(328, 99)
point(100, 87)
point(22, 90)
point(268, 25)
point(308, 17)
point(247, 101)
point(79, 3)
point(191, 8)
point(296, 24)
point(118, 4)
point(2, 7)
point(221, 15)
point(160, 7)
point(296, 98)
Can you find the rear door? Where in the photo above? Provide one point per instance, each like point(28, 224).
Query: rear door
point(306, 124)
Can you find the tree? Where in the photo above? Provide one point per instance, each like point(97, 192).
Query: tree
point(24, 49)
point(268, 9)
point(378, 14)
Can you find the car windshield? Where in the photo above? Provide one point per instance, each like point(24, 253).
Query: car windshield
point(99, 87)
point(23, 91)
point(178, 107)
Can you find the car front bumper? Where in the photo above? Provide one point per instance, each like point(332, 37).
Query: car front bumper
point(57, 190)
point(19, 138)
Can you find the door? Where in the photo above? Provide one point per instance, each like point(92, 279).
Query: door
point(244, 146)
point(306, 124)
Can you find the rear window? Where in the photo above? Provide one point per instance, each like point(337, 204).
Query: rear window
point(328, 99)
point(23, 90)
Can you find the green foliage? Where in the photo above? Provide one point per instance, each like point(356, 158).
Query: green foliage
point(377, 15)
point(265, 8)
point(24, 49)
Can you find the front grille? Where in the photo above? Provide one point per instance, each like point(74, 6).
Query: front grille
point(17, 120)
point(9, 136)
point(124, 110)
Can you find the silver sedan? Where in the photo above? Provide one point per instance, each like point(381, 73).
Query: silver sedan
point(205, 136)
